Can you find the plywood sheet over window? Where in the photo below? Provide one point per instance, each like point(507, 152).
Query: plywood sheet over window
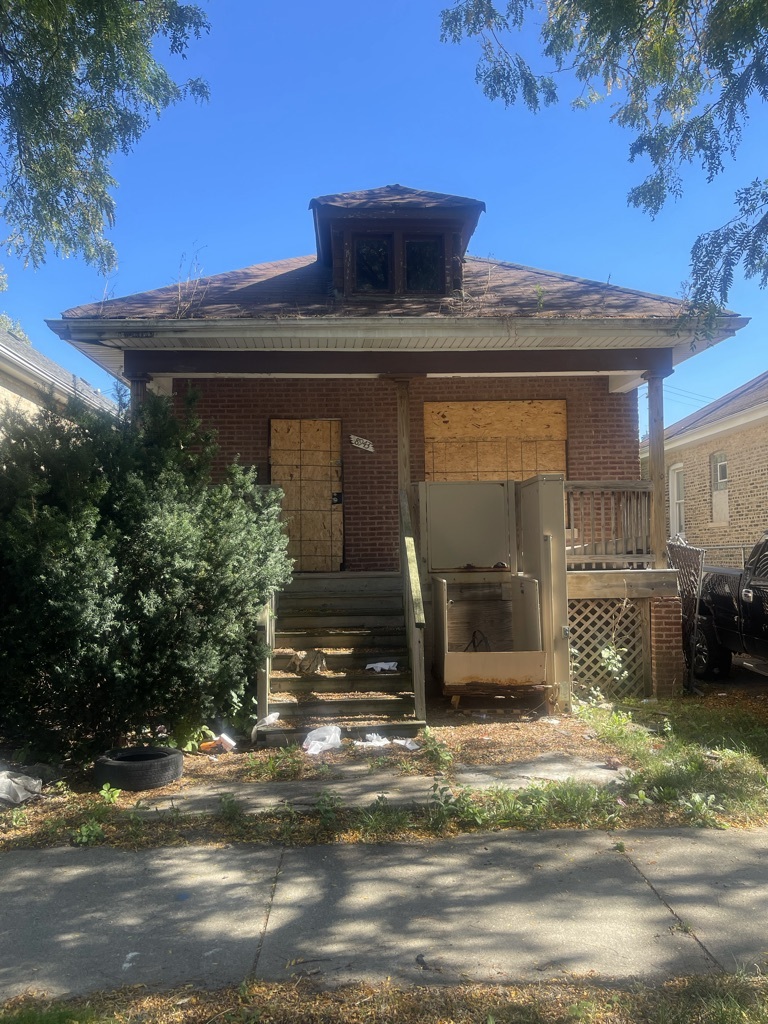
point(494, 440)
point(305, 457)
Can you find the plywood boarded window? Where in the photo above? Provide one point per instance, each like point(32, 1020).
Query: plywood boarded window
point(305, 458)
point(494, 440)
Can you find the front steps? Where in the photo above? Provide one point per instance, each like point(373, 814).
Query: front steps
point(354, 619)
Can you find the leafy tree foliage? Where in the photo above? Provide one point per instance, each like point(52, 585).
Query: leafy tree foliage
point(131, 583)
point(78, 83)
point(683, 76)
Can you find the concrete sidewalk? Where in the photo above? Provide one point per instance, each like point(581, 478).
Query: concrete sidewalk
point(502, 907)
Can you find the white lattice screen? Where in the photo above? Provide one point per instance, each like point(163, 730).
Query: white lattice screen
point(610, 646)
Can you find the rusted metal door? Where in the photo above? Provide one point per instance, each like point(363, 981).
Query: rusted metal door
point(305, 460)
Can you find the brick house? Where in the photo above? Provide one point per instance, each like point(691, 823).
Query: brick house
point(716, 471)
point(373, 376)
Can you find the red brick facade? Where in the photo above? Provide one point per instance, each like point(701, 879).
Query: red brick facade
point(602, 435)
point(667, 662)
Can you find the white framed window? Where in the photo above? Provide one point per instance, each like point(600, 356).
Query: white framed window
point(677, 500)
point(719, 466)
point(718, 471)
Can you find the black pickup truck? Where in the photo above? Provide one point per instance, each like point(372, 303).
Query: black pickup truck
point(732, 614)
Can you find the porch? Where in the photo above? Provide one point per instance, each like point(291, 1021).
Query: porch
point(617, 632)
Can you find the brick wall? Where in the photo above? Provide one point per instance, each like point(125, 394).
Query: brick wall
point(667, 662)
point(747, 454)
point(602, 435)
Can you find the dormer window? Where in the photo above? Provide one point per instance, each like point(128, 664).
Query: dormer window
point(424, 265)
point(397, 263)
point(394, 241)
point(373, 264)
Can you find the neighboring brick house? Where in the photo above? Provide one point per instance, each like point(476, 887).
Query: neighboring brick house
point(27, 377)
point(716, 464)
point(390, 360)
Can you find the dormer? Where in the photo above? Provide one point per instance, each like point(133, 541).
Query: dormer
point(394, 241)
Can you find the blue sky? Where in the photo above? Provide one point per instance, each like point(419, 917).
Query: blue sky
point(308, 99)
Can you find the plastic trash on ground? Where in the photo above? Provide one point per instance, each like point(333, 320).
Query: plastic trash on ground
point(327, 737)
point(407, 743)
point(372, 739)
point(15, 788)
point(218, 745)
point(381, 666)
point(264, 723)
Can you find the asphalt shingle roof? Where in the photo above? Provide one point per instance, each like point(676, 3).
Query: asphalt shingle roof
point(302, 287)
point(749, 395)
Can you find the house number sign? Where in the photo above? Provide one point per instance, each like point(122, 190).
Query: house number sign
point(361, 442)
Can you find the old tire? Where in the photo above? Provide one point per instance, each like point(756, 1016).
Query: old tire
point(136, 768)
point(710, 659)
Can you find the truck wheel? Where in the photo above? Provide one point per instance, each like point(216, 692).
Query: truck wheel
point(710, 659)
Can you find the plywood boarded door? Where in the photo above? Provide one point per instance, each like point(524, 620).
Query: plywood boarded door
point(305, 458)
point(494, 440)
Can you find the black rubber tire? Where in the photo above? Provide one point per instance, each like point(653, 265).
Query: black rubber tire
point(137, 768)
point(710, 659)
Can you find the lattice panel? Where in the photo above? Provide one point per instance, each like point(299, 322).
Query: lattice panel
point(616, 626)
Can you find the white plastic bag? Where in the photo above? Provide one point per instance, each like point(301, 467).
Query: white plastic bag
point(327, 737)
point(263, 723)
point(372, 739)
point(15, 789)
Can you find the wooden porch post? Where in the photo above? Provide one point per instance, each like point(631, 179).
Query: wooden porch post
point(656, 467)
point(402, 384)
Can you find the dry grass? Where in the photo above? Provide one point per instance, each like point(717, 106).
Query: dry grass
point(721, 1000)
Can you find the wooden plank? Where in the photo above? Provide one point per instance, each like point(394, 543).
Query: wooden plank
point(495, 669)
point(622, 583)
point(482, 421)
point(212, 362)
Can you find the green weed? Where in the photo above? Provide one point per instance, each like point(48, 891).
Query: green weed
point(381, 820)
point(436, 752)
point(88, 834)
point(230, 808)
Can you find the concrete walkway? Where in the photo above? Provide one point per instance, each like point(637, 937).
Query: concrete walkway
point(502, 907)
point(357, 786)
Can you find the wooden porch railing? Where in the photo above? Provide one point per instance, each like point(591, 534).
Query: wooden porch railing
point(608, 524)
point(413, 606)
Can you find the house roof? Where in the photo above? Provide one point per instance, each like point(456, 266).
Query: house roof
point(395, 197)
point(20, 362)
point(747, 397)
point(301, 287)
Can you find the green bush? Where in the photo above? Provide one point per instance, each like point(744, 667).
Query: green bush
point(132, 583)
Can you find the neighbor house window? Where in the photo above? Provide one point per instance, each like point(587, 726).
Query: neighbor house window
point(718, 463)
point(677, 501)
point(373, 264)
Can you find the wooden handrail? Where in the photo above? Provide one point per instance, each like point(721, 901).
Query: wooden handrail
point(413, 607)
point(411, 580)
